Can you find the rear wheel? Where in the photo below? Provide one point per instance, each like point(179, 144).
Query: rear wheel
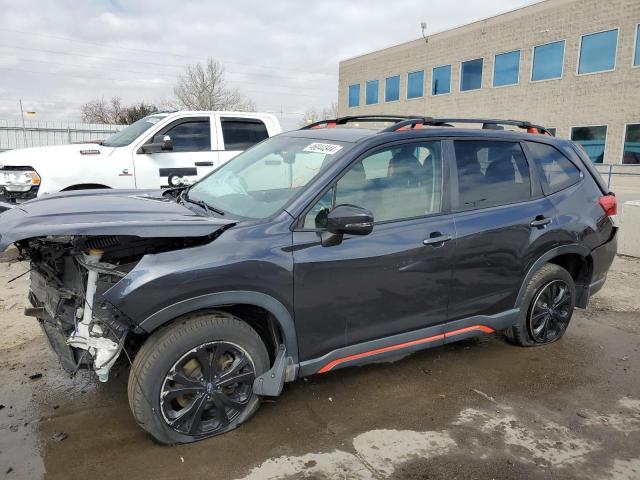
point(194, 379)
point(550, 301)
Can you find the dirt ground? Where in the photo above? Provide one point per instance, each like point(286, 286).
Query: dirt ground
point(475, 409)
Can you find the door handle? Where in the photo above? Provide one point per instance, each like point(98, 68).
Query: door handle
point(436, 238)
point(204, 164)
point(540, 221)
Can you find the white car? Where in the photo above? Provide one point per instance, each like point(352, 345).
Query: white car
point(159, 151)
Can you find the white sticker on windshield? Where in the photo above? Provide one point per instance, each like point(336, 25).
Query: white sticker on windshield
point(152, 120)
point(326, 148)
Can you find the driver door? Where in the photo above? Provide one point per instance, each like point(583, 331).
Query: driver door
point(391, 281)
point(191, 157)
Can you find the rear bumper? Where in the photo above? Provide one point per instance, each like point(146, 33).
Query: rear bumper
point(601, 260)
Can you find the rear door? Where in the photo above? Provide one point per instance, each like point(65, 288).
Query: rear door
point(191, 158)
point(502, 222)
point(236, 134)
point(397, 278)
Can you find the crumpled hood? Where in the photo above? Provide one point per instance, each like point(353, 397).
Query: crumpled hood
point(142, 213)
point(39, 157)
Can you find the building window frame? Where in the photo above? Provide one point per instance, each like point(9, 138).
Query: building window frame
point(450, 65)
point(384, 95)
point(481, 75)
point(349, 95)
point(624, 140)
point(615, 56)
point(606, 139)
point(636, 48)
point(366, 88)
point(493, 70)
point(424, 77)
point(533, 56)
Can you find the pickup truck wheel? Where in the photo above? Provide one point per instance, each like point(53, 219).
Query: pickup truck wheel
point(194, 378)
point(550, 301)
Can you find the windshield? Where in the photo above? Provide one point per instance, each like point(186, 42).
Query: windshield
point(260, 181)
point(133, 131)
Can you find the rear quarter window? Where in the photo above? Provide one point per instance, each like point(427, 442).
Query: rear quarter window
point(556, 171)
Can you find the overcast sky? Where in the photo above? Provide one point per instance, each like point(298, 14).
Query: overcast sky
point(57, 54)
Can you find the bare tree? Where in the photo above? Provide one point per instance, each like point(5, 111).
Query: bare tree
point(203, 87)
point(101, 111)
point(113, 112)
point(312, 115)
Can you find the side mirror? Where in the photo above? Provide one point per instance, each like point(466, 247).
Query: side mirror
point(346, 219)
point(161, 143)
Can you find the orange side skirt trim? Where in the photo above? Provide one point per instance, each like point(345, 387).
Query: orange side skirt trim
point(400, 346)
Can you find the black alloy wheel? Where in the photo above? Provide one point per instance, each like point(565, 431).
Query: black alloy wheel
point(207, 389)
point(550, 312)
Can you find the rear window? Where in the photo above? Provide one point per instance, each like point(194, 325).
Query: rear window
point(491, 173)
point(557, 172)
point(242, 133)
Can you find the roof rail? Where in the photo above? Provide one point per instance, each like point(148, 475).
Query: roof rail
point(487, 124)
point(332, 123)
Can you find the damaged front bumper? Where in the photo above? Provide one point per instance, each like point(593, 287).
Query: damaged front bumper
point(66, 316)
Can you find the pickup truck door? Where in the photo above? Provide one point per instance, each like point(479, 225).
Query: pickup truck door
point(192, 157)
point(238, 133)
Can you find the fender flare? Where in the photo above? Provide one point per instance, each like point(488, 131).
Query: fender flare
point(537, 265)
point(219, 299)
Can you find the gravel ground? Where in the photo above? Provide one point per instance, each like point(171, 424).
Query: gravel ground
point(475, 409)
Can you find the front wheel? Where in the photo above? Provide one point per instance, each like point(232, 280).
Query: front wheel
point(194, 378)
point(550, 300)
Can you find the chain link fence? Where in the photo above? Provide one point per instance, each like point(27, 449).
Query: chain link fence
point(13, 134)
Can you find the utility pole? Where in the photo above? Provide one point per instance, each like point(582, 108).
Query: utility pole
point(24, 128)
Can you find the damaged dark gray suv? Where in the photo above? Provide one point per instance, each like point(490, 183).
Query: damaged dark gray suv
point(317, 249)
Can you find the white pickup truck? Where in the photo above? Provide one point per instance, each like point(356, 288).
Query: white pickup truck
point(158, 151)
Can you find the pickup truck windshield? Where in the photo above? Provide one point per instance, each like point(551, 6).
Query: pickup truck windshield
point(129, 134)
point(260, 181)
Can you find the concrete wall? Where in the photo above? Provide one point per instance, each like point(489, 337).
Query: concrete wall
point(609, 98)
point(629, 240)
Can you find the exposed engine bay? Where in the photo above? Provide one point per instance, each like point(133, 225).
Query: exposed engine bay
point(69, 277)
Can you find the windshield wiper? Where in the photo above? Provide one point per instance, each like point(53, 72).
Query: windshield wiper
point(201, 203)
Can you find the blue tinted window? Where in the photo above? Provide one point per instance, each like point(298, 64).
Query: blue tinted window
point(441, 82)
point(354, 95)
point(471, 75)
point(392, 89)
point(371, 93)
point(592, 139)
point(636, 59)
point(506, 69)
point(547, 61)
point(598, 52)
point(415, 84)
point(631, 152)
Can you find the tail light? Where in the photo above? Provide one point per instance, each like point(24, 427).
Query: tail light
point(609, 204)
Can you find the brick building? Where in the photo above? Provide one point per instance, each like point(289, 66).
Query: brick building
point(571, 65)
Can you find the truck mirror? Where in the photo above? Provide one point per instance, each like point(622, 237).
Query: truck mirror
point(160, 143)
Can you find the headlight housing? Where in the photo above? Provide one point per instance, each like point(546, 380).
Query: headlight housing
point(19, 180)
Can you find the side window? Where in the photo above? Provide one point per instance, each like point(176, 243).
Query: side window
point(491, 173)
point(191, 136)
point(242, 133)
point(557, 171)
point(316, 218)
point(395, 183)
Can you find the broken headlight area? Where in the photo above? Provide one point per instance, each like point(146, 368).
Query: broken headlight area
point(69, 278)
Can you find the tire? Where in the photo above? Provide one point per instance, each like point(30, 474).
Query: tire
point(530, 330)
point(185, 371)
